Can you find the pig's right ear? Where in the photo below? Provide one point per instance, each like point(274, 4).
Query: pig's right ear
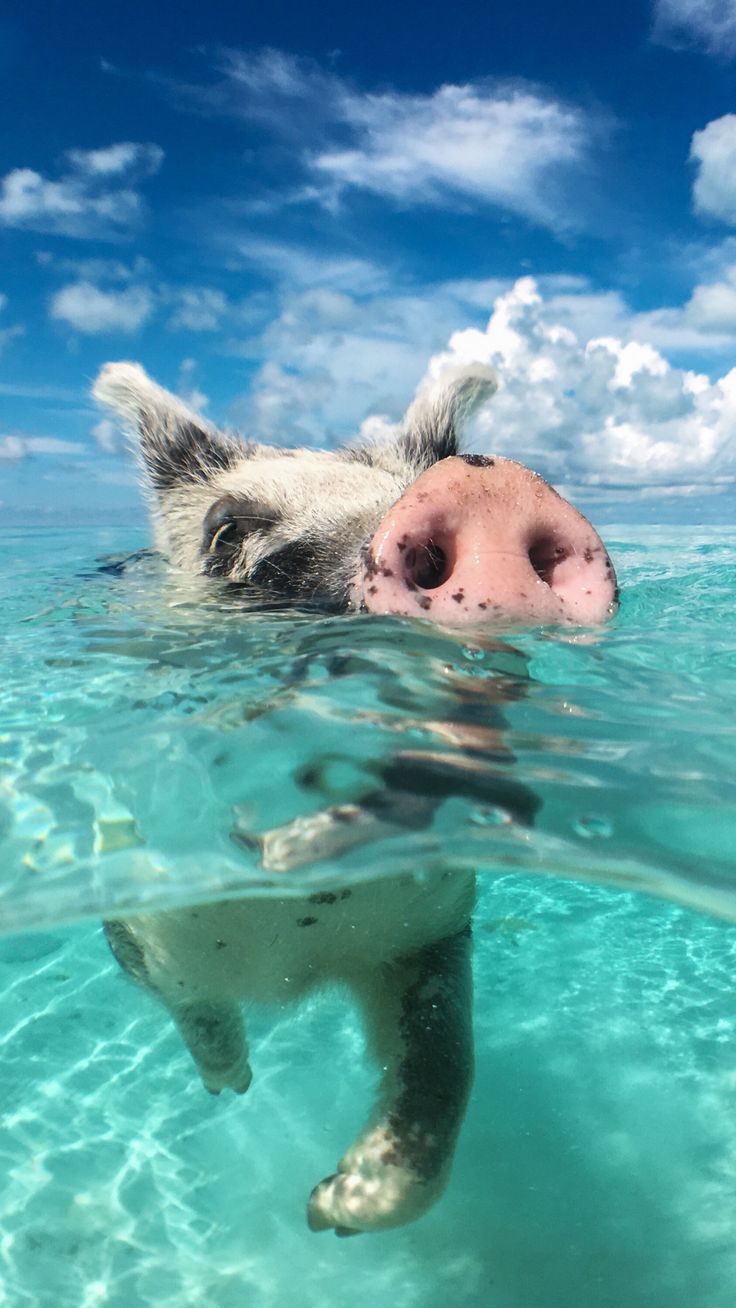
point(432, 424)
point(176, 446)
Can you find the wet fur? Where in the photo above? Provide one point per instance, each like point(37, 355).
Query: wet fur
point(296, 523)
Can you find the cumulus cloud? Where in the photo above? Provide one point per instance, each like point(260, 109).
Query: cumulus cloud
point(94, 197)
point(708, 24)
point(712, 306)
point(595, 412)
point(588, 395)
point(714, 151)
point(505, 144)
point(332, 357)
point(111, 296)
point(90, 310)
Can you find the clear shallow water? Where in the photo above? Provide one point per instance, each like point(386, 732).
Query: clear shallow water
point(149, 725)
point(144, 739)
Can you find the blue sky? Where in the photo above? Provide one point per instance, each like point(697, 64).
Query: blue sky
point(296, 214)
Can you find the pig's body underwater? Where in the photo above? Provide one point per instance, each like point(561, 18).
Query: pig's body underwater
point(407, 526)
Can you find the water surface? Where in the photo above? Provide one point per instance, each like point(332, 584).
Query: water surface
point(150, 728)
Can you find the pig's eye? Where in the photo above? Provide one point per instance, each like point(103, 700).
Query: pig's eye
point(226, 526)
point(226, 536)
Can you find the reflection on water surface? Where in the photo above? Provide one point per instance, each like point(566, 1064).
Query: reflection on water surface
point(156, 754)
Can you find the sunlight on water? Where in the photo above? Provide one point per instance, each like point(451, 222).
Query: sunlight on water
point(152, 730)
point(152, 726)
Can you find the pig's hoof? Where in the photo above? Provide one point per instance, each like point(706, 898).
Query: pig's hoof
point(237, 1079)
point(349, 1202)
point(318, 835)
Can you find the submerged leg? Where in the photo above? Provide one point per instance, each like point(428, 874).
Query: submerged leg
point(214, 1034)
point(418, 1012)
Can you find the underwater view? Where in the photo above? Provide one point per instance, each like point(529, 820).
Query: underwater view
point(162, 741)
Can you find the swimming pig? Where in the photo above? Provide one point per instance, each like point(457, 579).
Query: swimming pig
point(406, 526)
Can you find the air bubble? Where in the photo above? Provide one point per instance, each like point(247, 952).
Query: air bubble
point(490, 816)
point(593, 827)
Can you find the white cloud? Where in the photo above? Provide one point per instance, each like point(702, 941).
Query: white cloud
point(124, 157)
point(90, 310)
point(300, 266)
point(9, 333)
point(291, 95)
point(93, 198)
point(588, 393)
point(712, 307)
point(500, 146)
point(58, 394)
point(96, 269)
point(709, 24)
point(107, 436)
point(597, 412)
point(332, 358)
point(13, 448)
point(187, 387)
point(714, 151)
point(488, 143)
point(198, 308)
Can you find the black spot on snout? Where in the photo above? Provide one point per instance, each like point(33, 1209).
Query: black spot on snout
point(477, 460)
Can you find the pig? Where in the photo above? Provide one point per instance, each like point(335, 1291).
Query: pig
point(406, 525)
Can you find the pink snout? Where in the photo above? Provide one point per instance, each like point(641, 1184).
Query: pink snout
point(477, 540)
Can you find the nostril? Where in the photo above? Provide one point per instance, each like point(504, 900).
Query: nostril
point(426, 565)
point(545, 554)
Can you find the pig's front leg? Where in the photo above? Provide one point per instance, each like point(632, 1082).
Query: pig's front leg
point(418, 1012)
point(214, 1034)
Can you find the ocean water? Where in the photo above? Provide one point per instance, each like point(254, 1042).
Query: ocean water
point(151, 727)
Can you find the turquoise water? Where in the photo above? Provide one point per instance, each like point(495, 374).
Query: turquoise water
point(150, 726)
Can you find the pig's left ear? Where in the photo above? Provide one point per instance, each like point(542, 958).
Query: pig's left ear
point(175, 444)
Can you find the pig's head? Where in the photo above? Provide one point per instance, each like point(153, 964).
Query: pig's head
point(405, 525)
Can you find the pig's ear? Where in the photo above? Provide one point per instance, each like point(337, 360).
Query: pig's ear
point(176, 446)
point(431, 426)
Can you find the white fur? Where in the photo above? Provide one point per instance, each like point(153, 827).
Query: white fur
point(400, 945)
